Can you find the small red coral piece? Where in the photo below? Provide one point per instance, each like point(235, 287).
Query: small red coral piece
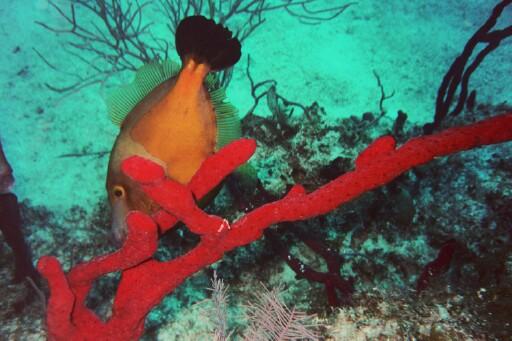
point(438, 266)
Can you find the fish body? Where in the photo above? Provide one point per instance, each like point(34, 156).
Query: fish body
point(184, 116)
point(176, 123)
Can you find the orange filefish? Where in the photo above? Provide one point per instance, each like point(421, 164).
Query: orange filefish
point(175, 116)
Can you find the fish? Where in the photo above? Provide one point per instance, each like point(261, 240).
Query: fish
point(174, 115)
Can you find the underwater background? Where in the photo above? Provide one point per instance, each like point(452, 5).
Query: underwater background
point(337, 83)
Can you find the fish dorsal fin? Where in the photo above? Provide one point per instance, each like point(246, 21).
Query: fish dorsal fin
point(228, 127)
point(228, 122)
point(122, 100)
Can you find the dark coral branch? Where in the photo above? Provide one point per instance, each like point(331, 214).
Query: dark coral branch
point(255, 87)
point(337, 288)
point(116, 39)
point(457, 77)
point(277, 104)
point(251, 12)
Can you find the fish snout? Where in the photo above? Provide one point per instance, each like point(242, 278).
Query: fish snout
point(120, 209)
point(118, 235)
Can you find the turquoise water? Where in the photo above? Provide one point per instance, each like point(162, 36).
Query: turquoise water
point(360, 67)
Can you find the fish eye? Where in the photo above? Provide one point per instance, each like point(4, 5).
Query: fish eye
point(118, 191)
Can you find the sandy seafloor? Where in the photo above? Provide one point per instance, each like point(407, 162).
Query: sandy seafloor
point(410, 44)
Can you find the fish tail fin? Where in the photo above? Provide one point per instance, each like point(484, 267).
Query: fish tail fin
point(207, 42)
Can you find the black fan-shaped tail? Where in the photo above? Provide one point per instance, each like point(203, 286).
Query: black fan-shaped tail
point(207, 42)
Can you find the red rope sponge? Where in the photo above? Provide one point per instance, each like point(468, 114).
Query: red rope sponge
point(145, 281)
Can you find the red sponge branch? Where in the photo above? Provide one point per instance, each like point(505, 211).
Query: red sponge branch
point(145, 281)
